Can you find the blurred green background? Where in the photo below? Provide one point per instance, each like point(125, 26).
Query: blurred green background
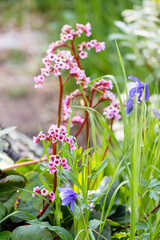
point(50, 15)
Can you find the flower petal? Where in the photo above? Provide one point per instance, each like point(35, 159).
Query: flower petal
point(134, 79)
point(146, 92)
point(132, 92)
point(72, 205)
point(129, 106)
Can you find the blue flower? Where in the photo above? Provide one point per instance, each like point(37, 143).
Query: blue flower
point(137, 88)
point(68, 196)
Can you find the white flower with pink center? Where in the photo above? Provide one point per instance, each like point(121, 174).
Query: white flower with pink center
point(44, 192)
point(83, 54)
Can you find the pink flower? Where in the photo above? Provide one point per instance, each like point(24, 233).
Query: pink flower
point(87, 29)
point(83, 54)
point(72, 146)
point(91, 206)
point(52, 170)
point(57, 162)
point(52, 158)
point(36, 139)
point(77, 119)
point(63, 161)
point(99, 46)
point(40, 136)
point(44, 192)
point(112, 112)
point(36, 190)
point(61, 137)
point(66, 166)
point(52, 196)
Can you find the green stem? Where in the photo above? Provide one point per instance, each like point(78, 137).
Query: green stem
point(83, 219)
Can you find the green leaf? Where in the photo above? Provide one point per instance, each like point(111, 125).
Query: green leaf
point(31, 232)
point(5, 235)
point(7, 130)
point(2, 211)
point(94, 223)
point(142, 226)
point(153, 183)
point(120, 235)
point(152, 195)
point(11, 202)
point(61, 232)
point(71, 177)
point(9, 181)
point(101, 167)
point(27, 168)
point(113, 223)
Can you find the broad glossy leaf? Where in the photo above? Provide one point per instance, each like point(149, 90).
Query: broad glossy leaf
point(9, 182)
point(30, 232)
point(2, 211)
point(61, 232)
point(94, 223)
point(5, 235)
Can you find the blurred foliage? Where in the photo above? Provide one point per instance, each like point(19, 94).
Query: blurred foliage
point(140, 34)
point(54, 14)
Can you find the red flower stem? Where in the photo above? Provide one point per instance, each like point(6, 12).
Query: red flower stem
point(75, 55)
point(128, 226)
point(55, 182)
point(42, 211)
point(96, 104)
point(60, 100)
point(109, 140)
point(55, 174)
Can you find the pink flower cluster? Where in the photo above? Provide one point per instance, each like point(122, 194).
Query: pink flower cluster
point(102, 85)
point(67, 109)
point(112, 112)
point(63, 60)
point(44, 192)
point(55, 161)
point(56, 135)
point(67, 33)
point(98, 46)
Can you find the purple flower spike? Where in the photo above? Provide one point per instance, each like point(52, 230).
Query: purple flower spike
point(68, 196)
point(137, 88)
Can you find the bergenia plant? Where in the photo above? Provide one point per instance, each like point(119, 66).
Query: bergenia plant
point(57, 62)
